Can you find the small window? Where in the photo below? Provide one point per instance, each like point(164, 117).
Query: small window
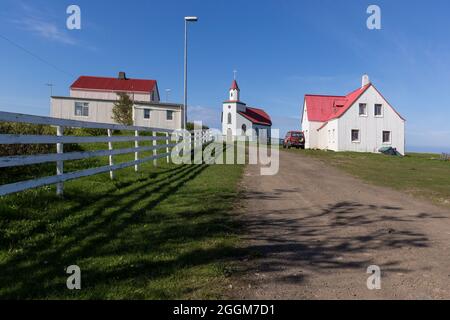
point(229, 118)
point(355, 135)
point(386, 137)
point(82, 109)
point(169, 115)
point(378, 110)
point(146, 113)
point(244, 128)
point(363, 109)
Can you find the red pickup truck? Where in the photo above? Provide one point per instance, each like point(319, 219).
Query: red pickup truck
point(294, 139)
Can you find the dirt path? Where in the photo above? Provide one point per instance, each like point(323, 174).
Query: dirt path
point(312, 231)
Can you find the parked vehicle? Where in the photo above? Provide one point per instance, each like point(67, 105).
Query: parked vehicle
point(294, 139)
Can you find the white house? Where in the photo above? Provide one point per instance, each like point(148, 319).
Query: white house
point(92, 99)
point(361, 121)
point(239, 119)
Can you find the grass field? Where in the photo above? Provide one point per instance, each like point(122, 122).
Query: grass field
point(422, 175)
point(162, 233)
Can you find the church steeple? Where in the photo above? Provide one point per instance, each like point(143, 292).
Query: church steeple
point(234, 91)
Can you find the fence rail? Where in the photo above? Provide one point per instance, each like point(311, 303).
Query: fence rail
point(199, 138)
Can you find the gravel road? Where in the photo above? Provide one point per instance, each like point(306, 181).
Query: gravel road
point(312, 232)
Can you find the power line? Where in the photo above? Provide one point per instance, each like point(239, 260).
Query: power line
point(35, 56)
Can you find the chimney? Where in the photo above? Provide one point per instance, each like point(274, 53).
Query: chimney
point(365, 80)
point(122, 75)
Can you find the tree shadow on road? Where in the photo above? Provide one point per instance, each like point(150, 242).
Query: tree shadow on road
point(340, 236)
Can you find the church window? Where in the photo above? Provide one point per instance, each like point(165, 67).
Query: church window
point(229, 118)
point(244, 128)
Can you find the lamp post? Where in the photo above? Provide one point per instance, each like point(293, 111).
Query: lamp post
point(186, 20)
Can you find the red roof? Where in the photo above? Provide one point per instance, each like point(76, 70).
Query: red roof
point(113, 84)
point(324, 108)
point(234, 85)
point(256, 116)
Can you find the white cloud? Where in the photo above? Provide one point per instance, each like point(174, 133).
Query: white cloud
point(32, 20)
point(209, 116)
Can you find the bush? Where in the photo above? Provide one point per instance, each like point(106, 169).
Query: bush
point(28, 129)
point(32, 129)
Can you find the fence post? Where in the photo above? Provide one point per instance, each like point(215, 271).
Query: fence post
point(155, 152)
point(136, 154)
point(59, 164)
point(167, 149)
point(111, 160)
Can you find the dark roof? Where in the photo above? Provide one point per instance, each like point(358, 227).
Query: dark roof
point(256, 116)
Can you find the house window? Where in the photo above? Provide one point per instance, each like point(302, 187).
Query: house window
point(386, 137)
point(363, 109)
point(146, 113)
point(355, 135)
point(229, 118)
point(378, 110)
point(169, 115)
point(82, 109)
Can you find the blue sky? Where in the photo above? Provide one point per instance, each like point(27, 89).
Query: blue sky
point(281, 49)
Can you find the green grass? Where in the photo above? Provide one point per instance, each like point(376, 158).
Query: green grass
point(421, 175)
point(162, 233)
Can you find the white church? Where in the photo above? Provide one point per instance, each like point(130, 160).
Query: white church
point(238, 119)
point(361, 121)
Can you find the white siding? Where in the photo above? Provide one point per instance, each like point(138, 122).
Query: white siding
point(158, 118)
point(328, 136)
point(310, 128)
point(101, 111)
point(371, 127)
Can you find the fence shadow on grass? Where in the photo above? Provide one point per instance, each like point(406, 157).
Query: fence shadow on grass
point(115, 235)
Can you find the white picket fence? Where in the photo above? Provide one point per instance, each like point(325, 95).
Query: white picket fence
point(199, 138)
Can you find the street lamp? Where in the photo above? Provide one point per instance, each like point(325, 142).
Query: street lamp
point(186, 20)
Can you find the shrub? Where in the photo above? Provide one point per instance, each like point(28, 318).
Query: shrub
point(32, 129)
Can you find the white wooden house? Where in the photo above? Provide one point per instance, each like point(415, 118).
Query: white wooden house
point(92, 99)
point(361, 121)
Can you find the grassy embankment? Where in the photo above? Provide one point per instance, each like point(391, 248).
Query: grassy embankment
point(421, 175)
point(161, 233)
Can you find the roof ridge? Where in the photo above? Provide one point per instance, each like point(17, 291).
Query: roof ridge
point(103, 77)
point(324, 95)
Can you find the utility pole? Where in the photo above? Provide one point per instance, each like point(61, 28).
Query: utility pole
point(50, 85)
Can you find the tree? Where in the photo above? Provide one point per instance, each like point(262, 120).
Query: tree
point(123, 110)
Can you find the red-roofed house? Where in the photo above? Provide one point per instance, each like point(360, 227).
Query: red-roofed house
point(361, 121)
point(240, 119)
point(92, 99)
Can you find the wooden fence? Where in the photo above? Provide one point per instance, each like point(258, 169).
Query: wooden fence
point(157, 134)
